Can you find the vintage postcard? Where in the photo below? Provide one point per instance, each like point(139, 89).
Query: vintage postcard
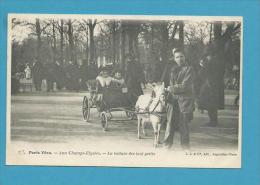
point(124, 90)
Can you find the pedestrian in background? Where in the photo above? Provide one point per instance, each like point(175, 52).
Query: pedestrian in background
point(134, 78)
point(58, 75)
point(211, 95)
point(50, 76)
point(27, 71)
point(83, 70)
point(73, 75)
point(37, 74)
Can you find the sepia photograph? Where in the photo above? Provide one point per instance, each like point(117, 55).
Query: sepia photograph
point(124, 90)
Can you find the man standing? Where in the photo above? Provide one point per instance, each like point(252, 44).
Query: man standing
point(50, 76)
point(37, 74)
point(211, 95)
point(180, 101)
point(58, 75)
point(73, 75)
point(83, 70)
point(92, 71)
point(134, 78)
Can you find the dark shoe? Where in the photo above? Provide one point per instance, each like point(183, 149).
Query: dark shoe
point(185, 147)
point(167, 145)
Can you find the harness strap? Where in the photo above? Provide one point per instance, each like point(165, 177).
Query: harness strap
point(153, 111)
point(155, 106)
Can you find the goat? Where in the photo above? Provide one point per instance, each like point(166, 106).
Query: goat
point(149, 109)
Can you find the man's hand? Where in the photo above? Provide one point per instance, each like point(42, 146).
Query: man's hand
point(170, 89)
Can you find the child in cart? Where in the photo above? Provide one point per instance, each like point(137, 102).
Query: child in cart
point(104, 80)
point(119, 81)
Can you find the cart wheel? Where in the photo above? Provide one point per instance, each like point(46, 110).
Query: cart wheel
point(103, 117)
point(110, 116)
point(127, 114)
point(86, 108)
point(132, 116)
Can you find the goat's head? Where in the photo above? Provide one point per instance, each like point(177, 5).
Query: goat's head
point(158, 91)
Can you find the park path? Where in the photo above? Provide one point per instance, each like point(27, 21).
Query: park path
point(57, 118)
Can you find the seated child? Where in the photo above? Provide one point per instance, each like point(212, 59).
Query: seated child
point(105, 80)
point(118, 80)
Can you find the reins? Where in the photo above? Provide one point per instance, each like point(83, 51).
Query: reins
point(158, 114)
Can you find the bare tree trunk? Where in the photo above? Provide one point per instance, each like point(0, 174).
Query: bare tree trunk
point(117, 48)
point(181, 34)
point(137, 53)
point(101, 50)
point(165, 38)
point(222, 41)
point(54, 42)
point(87, 49)
point(152, 37)
point(109, 52)
point(122, 47)
point(61, 41)
point(132, 30)
point(91, 25)
point(66, 47)
point(130, 43)
point(39, 41)
point(71, 41)
point(217, 30)
point(210, 32)
point(114, 41)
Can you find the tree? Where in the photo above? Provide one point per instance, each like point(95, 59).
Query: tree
point(61, 31)
point(122, 44)
point(51, 37)
point(39, 40)
point(217, 30)
point(132, 29)
point(37, 28)
point(111, 30)
point(83, 27)
point(181, 34)
point(91, 25)
point(72, 56)
point(223, 41)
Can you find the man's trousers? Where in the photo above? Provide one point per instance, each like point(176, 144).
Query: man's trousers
point(177, 120)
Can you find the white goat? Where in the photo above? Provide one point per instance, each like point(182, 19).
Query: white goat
point(149, 110)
